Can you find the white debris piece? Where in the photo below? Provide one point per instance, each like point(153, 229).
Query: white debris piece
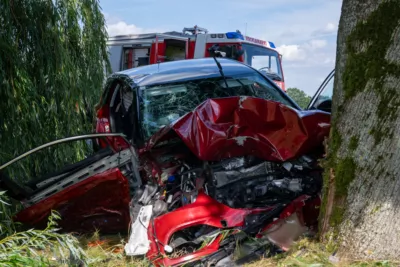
point(168, 249)
point(333, 259)
point(138, 243)
point(287, 165)
point(242, 98)
point(240, 140)
point(324, 125)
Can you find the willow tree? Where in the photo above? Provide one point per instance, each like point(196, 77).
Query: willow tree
point(52, 61)
point(362, 197)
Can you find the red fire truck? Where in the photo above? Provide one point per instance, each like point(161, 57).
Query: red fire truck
point(130, 51)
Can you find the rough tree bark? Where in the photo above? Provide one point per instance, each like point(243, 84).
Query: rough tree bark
point(361, 203)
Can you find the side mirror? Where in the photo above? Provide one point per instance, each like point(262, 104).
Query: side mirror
point(324, 105)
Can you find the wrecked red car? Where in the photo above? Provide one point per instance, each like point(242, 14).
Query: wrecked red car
point(92, 193)
point(220, 165)
point(222, 149)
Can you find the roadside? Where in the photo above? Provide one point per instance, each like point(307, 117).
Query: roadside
point(108, 252)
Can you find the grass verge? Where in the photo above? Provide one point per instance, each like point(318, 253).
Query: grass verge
point(108, 252)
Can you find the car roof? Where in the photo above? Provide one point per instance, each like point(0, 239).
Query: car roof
point(181, 70)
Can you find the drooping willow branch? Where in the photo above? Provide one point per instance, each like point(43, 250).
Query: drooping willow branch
point(53, 59)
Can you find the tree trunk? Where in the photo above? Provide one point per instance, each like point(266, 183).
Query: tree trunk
point(361, 203)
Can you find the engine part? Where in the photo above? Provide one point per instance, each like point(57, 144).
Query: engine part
point(159, 208)
point(243, 191)
point(189, 197)
point(223, 178)
point(235, 163)
point(148, 193)
point(291, 184)
point(247, 183)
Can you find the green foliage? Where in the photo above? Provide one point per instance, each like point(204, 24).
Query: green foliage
point(35, 247)
point(344, 175)
point(53, 59)
point(308, 253)
point(40, 164)
point(301, 98)
point(337, 215)
point(108, 251)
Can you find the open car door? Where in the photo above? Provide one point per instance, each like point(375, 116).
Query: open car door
point(322, 100)
point(90, 187)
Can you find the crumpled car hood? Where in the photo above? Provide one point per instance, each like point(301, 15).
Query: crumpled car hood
point(237, 126)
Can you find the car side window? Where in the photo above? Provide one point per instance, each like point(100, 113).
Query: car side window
point(327, 92)
point(322, 100)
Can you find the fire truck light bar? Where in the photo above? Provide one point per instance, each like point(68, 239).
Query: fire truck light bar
point(272, 45)
point(234, 35)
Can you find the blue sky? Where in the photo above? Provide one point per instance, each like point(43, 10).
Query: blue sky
point(304, 31)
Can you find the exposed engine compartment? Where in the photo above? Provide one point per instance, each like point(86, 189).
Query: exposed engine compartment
point(255, 191)
point(226, 173)
point(250, 183)
point(241, 182)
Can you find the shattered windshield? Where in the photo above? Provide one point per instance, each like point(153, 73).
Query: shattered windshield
point(263, 59)
point(161, 105)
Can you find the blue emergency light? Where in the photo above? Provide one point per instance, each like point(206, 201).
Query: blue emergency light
point(234, 35)
point(272, 45)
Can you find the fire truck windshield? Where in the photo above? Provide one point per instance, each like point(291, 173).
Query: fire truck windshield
point(264, 59)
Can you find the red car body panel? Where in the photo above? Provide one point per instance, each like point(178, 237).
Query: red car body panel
point(234, 126)
point(103, 126)
point(99, 201)
point(207, 211)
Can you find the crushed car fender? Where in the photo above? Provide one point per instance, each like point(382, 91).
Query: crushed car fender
point(232, 170)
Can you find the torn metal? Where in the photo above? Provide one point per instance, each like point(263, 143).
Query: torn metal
point(235, 173)
point(231, 171)
point(93, 193)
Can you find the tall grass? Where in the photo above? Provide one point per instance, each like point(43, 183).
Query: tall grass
point(36, 247)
